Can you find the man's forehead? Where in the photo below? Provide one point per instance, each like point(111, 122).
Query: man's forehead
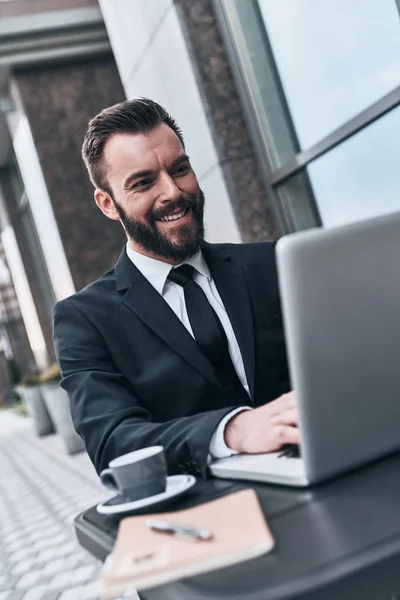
point(135, 150)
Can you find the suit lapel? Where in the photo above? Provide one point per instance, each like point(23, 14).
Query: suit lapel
point(141, 298)
point(231, 284)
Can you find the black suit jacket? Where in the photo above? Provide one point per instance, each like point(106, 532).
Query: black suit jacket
point(136, 377)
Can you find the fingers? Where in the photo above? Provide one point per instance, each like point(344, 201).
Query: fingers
point(284, 402)
point(287, 417)
point(288, 400)
point(265, 429)
point(285, 434)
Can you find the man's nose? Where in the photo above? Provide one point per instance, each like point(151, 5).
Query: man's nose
point(169, 191)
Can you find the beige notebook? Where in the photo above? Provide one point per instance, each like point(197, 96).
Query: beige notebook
point(143, 558)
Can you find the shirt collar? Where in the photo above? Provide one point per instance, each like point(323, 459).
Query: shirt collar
point(157, 271)
point(198, 263)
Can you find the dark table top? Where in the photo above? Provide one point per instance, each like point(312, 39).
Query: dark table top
point(335, 541)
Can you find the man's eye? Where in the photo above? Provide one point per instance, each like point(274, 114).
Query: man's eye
point(182, 169)
point(142, 183)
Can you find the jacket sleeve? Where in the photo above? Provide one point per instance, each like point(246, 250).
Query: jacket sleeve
point(105, 410)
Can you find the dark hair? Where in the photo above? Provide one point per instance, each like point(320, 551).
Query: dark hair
point(131, 116)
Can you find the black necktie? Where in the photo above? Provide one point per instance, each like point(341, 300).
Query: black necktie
point(208, 331)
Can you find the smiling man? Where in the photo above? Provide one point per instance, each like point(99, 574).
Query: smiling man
point(181, 338)
point(170, 229)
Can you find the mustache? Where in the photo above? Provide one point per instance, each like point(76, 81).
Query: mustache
point(181, 204)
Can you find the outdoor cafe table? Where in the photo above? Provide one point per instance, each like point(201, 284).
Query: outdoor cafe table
point(337, 541)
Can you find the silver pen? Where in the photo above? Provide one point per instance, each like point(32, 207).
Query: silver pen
point(185, 531)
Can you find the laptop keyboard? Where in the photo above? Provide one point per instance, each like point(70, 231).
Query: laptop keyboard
point(290, 451)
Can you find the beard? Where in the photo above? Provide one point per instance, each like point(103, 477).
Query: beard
point(188, 237)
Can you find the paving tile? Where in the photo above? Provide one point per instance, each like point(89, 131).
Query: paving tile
point(72, 594)
point(18, 555)
point(81, 553)
point(37, 523)
point(17, 594)
point(29, 579)
point(86, 559)
point(53, 530)
point(82, 574)
point(90, 591)
point(69, 562)
point(62, 580)
point(51, 596)
point(42, 544)
point(40, 550)
point(59, 551)
point(35, 593)
point(10, 537)
point(22, 567)
point(15, 545)
point(3, 559)
point(9, 583)
point(56, 566)
point(98, 567)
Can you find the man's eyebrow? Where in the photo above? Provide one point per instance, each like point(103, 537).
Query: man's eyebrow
point(136, 175)
point(178, 161)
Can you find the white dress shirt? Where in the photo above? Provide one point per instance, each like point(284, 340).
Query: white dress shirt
point(156, 272)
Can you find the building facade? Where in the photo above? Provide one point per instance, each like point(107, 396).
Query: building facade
point(57, 72)
point(289, 112)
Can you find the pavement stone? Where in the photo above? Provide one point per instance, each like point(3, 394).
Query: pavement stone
point(17, 594)
point(9, 583)
point(55, 566)
point(90, 591)
point(51, 596)
point(61, 580)
point(29, 579)
point(23, 567)
point(42, 489)
point(72, 594)
point(35, 593)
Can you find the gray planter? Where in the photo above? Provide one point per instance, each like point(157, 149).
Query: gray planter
point(20, 391)
point(32, 398)
point(57, 402)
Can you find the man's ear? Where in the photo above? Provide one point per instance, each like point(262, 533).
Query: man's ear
point(106, 204)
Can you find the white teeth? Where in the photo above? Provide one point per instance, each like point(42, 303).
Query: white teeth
point(174, 217)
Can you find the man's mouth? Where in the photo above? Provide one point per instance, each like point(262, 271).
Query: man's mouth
point(174, 217)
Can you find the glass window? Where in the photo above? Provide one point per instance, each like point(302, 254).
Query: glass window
point(334, 57)
point(360, 178)
point(265, 107)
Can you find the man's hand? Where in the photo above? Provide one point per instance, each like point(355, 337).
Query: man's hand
point(265, 429)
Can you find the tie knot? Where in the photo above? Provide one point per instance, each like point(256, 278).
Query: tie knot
point(181, 275)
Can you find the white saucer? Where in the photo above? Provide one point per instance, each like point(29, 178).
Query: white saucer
point(118, 505)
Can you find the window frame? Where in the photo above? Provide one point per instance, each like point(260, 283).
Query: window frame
point(248, 91)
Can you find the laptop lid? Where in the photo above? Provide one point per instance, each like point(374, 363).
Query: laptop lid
point(340, 291)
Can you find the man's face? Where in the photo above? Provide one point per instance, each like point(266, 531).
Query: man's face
point(156, 195)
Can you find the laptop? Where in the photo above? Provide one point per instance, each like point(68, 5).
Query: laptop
point(340, 294)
